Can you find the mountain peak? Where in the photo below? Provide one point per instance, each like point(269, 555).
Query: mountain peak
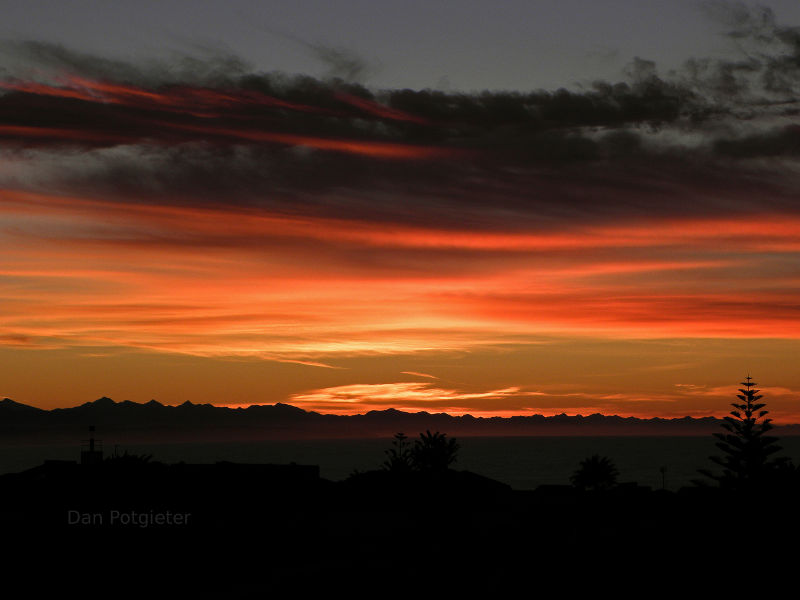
point(9, 404)
point(288, 408)
point(104, 402)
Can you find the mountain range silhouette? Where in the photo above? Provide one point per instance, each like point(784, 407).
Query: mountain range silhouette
point(153, 420)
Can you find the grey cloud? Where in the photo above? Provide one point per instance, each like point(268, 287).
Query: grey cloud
point(341, 62)
point(691, 142)
point(771, 50)
point(209, 67)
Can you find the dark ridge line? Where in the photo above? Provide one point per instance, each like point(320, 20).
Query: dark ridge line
point(106, 402)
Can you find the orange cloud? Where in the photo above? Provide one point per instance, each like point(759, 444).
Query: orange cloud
point(83, 271)
point(416, 374)
point(359, 398)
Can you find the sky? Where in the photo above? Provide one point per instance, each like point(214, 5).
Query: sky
point(570, 207)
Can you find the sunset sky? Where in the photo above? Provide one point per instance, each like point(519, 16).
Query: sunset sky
point(260, 202)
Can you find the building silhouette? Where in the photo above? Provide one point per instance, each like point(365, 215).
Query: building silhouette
point(91, 449)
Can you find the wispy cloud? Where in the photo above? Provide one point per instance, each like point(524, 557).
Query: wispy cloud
point(416, 374)
point(356, 398)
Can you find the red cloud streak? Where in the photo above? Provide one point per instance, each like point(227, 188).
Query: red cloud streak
point(217, 281)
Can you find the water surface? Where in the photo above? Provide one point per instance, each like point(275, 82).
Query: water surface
point(522, 462)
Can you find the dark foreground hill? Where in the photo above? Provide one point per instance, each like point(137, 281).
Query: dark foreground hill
point(262, 529)
point(154, 421)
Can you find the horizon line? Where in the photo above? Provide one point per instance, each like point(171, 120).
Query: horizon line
point(235, 407)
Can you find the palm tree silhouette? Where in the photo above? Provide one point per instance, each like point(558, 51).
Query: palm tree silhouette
point(434, 452)
point(595, 473)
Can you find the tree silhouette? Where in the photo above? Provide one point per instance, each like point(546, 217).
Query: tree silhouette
point(746, 463)
point(434, 452)
point(595, 473)
point(398, 457)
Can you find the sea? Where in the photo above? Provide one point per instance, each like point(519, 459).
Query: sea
point(522, 462)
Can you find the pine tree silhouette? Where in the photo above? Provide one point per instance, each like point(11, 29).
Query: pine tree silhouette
point(746, 463)
point(398, 457)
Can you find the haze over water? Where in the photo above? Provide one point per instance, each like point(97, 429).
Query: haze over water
point(521, 462)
